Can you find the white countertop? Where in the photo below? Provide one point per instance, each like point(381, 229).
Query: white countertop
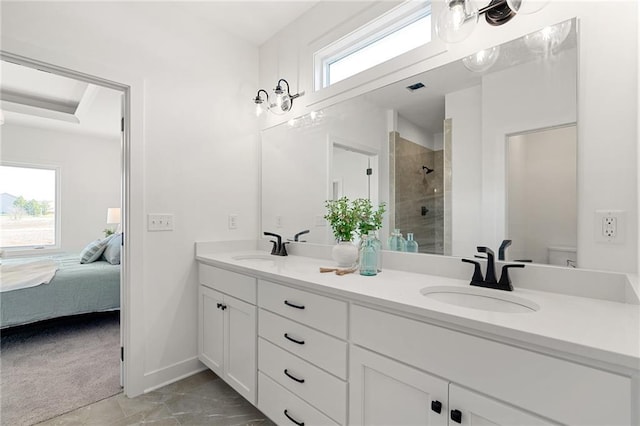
point(586, 328)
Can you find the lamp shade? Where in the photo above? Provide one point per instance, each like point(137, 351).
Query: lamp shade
point(113, 215)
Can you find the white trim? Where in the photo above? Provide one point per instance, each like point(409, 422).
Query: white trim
point(78, 67)
point(172, 373)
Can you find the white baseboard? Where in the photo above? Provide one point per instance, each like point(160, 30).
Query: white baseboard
point(172, 373)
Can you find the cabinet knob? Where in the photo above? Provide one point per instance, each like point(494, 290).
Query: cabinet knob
point(456, 416)
point(292, 419)
point(436, 406)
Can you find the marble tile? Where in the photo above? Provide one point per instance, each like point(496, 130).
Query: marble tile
point(201, 399)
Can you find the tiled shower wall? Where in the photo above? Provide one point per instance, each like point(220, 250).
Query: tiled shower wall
point(418, 198)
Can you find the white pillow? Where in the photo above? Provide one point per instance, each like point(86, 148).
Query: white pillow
point(112, 251)
point(93, 250)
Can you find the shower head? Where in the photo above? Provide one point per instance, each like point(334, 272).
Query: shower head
point(427, 170)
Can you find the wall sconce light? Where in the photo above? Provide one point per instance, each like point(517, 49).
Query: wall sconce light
point(283, 100)
point(458, 18)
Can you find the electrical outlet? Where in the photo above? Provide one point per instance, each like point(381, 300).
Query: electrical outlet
point(233, 221)
point(278, 221)
point(160, 222)
point(609, 226)
point(320, 221)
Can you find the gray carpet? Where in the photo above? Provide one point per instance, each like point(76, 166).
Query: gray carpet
point(51, 368)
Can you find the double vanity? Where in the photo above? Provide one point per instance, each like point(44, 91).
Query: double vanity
point(412, 348)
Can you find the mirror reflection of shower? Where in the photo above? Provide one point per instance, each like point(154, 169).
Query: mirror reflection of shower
point(427, 170)
point(417, 194)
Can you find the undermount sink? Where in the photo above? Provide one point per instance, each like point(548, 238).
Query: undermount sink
point(255, 257)
point(480, 298)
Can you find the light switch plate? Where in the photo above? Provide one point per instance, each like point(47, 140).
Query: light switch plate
point(160, 222)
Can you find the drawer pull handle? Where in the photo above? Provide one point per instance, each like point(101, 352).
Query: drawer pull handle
point(436, 406)
point(293, 377)
point(292, 419)
point(456, 416)
point(293, 305)
point(300, 342)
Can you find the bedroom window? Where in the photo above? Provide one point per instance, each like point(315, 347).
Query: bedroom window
point(399, 31)
point(28, 210)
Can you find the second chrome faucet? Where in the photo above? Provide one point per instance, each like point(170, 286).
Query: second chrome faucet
point(489, 279)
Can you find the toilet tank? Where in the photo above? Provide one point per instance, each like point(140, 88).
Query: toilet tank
point(562, 256)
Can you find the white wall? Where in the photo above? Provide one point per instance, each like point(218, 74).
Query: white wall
point(89, 176)
point(548, 99)
point(193, 144)
point(415, 134)
point(464, 109)
point(607, 77)
point(297, 164)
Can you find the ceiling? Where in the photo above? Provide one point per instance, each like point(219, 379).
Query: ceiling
point(255, 21)
point(36, 98)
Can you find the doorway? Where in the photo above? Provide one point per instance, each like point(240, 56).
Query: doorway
point(542, 196)
point(66, 112)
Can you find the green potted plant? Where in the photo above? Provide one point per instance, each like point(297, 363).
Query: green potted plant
point(348, 219)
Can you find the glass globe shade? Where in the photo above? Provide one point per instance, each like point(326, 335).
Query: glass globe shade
point(482, 60)
point(526, 7)
point(457, 20)
point(548, 39)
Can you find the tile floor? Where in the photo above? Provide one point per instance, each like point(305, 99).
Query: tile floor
point(202, 399)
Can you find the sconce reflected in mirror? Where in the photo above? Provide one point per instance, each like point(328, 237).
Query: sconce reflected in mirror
point(548, 39)
point(482, 60)
point(283, 100)
point(458, 18)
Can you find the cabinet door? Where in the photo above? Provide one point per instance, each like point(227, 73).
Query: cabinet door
point(474, 409)
point(240, 343)
point(211, 329)
point(385, 392)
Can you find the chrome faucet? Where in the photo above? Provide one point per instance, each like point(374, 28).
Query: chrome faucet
point(279, 248)
point(489, 280)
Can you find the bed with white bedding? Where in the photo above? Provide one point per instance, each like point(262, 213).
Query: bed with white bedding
point(75, 288)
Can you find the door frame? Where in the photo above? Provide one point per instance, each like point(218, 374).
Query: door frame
point(132, 187)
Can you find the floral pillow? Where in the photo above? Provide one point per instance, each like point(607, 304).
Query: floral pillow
point(94, 250)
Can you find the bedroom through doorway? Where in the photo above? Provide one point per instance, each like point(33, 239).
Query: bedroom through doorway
point(63, 212)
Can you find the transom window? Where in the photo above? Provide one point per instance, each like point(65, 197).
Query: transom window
point(399, 31)
point(28, 210)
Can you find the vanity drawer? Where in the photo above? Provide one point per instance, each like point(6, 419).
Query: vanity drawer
point(560, 390)
point(322, 390)
point(320, 312)
point(318, 348)
point(237, 285)
point(284, 408)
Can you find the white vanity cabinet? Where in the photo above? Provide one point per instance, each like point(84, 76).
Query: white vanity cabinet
point(512, 385)
point(227, 327)
point(302, 356)
point(384, 391)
